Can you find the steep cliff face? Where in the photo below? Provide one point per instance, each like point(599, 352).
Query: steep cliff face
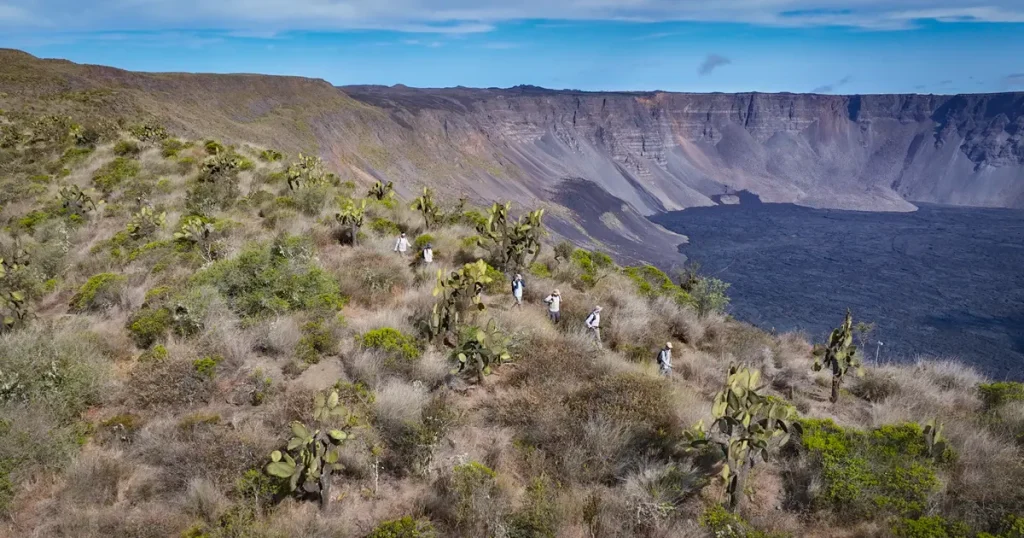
point(663, 151)
point(600, 161)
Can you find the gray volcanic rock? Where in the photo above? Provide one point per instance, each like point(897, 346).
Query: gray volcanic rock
point(662, 151)
point(599, 161)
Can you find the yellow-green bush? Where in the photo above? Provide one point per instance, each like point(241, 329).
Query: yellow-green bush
point(110, 176)
point(99, 292)
point(930, 527)
point(271, 279)
point(149, 325)
point(996, 394)
point(317, 340)
point(398, 346)
point(405, 527)
point(883, 471)
point(725, 524)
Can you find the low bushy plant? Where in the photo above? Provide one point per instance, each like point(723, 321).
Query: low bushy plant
point(405, 527)
point(110, 176)
point(272, 279)
point(149, 326)
point(317, 340)
point(887, 470)
point(99, 292)
point(930, 527)
point(725, 524)
point(398, 346)
point(207, 366)
point(994, 395)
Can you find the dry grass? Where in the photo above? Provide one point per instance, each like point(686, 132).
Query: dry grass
point(599, 426)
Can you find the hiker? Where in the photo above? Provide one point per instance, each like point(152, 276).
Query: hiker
point(402, 244)
point(517, 290)
point(594, 323)
point(428, 254)
point(554, 302)
point(665, 360)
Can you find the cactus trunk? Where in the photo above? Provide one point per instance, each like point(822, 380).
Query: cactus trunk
point(836, 380)
point(325, 491)
point(353, 234)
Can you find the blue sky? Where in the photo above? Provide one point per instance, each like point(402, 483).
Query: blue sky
point(830, 46)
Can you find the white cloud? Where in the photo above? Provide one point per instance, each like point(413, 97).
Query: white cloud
point(476, 16)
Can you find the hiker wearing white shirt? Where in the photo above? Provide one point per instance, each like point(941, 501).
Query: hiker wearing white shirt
point(402, 244)
point(665, 360)
point(594, 323)
point(428, 254)
point(517, 290)
point(554, 302)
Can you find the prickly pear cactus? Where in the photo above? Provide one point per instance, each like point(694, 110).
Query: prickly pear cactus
point(312, 455)
point(455, 292)
point(382, 191)
point(427, 207)
point(308, 171)
point(351, 213)
point(839, 354)
point(481, 350)
point(511, 240)
point(748, 425)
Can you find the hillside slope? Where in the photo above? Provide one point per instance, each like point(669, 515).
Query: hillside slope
point(649, 152)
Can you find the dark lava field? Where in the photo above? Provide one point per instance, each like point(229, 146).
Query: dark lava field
point(938, 282)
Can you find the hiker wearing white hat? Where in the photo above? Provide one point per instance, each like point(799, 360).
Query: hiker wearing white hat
point(517, 290)
point(594, 323)
point(665, 360)
point(554, 302)
point(402, 244)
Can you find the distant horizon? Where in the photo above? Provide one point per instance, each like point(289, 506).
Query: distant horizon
point(519, 86)
point(848, 47)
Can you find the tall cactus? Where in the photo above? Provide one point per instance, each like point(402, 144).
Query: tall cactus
point(145, 222)
point(382, 191)
point(512, 240)
point(427, 207)
point(308, 171)
point(351, 213)
point(14, 310)
point(75, 201)
point(747, 425)
point(481, 349)
point(454, 291)
point(840, 354)
point(312, 455)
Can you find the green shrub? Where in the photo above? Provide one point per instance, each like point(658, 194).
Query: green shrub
point(538, 517)
point(270, 156)
point(384, 226)
point(421, 241)
point(115, 172)
point(271, 279)
point(930, 527)
point(725, 524)
point(127, 148)
point(397, 345)
point(169, 147)
point(256, 489)
point(207, 366)
point(191, 421)
point(156, 354)
point(406, 527)
point(149, 325)
point(996, 394)
point(590, 263)
point(99, 292)
point(317, 340)
point(541, 270)
point(472, 485)
point(885, 470)
point(653, 282)
point(499, 283)
point(214, 147)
